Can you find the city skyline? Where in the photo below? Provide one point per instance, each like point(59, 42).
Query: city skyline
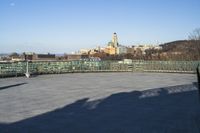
point(66, 26)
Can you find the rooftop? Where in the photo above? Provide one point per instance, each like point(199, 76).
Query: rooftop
point(100, 102)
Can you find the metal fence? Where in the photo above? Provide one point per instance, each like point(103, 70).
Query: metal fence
point(53, 67)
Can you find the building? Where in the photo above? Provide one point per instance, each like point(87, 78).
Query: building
point(17, 58)
point(110, 50)
point(131, 50)
point(114, 43)
point(115, 40)
point(112, 46)
point(39, 57)
point(28, 55)
point(84, 51)
point(71, 57)
point(121, 50)
point(44, 57)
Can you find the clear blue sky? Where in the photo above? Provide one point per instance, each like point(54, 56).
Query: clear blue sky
point(59, 26)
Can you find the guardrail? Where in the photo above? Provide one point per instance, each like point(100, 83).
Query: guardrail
point(55, 67)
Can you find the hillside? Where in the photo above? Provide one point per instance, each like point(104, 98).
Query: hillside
point(178, 46)
point(186, 49)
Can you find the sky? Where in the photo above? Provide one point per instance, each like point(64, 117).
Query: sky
point(64, 26)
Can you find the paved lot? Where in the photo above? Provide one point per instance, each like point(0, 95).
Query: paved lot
point(100, 102)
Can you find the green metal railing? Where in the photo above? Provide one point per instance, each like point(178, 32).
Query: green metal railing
point(53, 67)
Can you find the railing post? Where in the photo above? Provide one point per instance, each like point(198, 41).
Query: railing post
point(27, 70)
point(0, 71)
point(198, 80)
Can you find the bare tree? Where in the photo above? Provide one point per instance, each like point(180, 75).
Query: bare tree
point(195, 35)
point(194, 41)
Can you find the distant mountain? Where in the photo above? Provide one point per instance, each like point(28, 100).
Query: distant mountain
point(3, 54)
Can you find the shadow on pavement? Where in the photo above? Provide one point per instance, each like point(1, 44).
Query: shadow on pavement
point(163, 110)
point(10, 86)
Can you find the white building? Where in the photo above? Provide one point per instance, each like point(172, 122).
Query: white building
point(121, 50)
point(84, 51)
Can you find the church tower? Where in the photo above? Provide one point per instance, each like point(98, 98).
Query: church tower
point(115, 40)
